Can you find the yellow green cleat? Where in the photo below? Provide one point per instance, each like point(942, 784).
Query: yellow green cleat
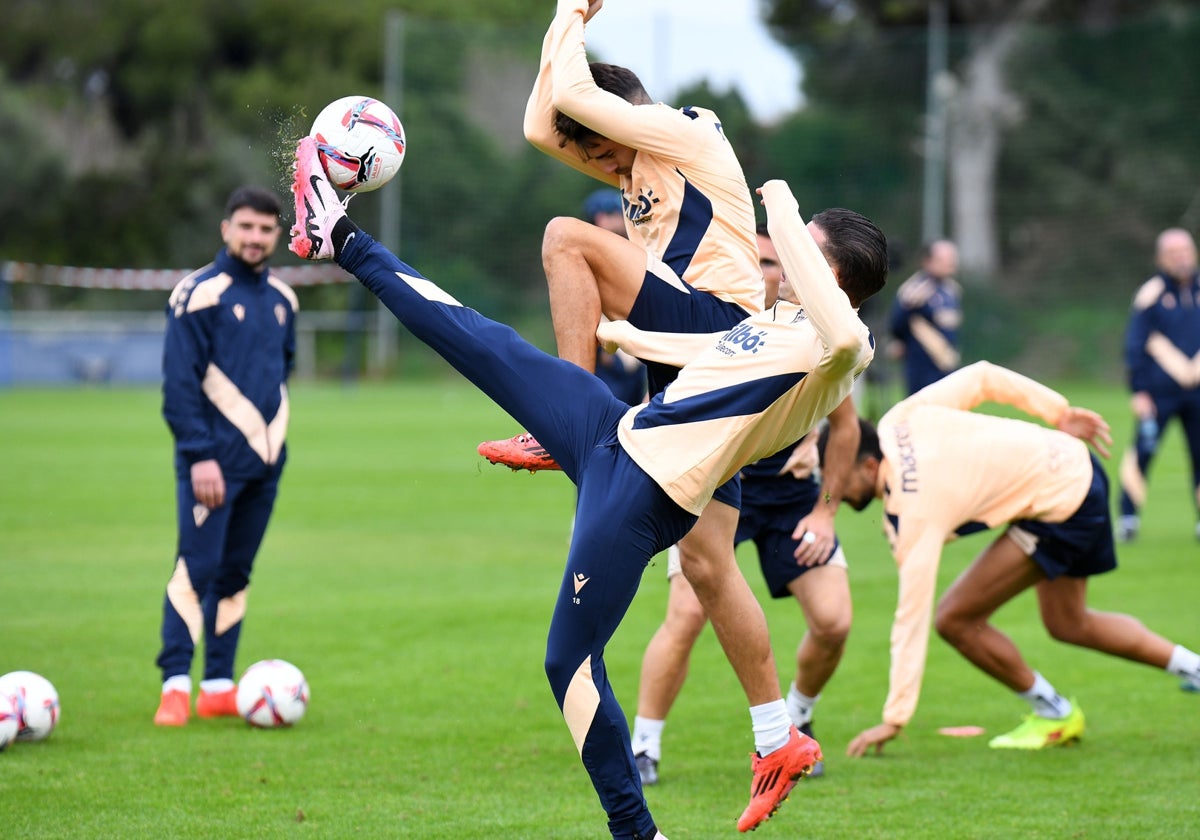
point(1037, 732)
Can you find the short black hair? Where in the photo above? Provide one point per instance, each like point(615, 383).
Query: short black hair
point(610, 77)
point(857, 249)
point(868, 442)
point(259, 199)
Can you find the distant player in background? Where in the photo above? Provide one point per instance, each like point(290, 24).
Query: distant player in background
point(788, 511)
point(644, 473)
point(945, 471)
point(624, 375)
point(1162, 358)
point(926, 316)
point(690, 268)
point(228, 351)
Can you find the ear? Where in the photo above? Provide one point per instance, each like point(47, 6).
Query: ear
point(870, 465)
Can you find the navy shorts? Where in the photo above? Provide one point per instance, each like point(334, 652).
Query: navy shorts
point(667, 304)
point(771, 527)
point(1080, 546)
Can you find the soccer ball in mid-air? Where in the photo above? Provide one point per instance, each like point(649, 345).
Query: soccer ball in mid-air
point(36, 703)
point(272, 693)
point(360, 142)
point(8, 721)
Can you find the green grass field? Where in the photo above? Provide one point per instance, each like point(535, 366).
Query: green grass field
point(412, 582)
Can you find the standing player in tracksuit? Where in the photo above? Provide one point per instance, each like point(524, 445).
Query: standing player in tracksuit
point(1162, 354)
point(644, 473)
point(926, 317)
point(229, 347)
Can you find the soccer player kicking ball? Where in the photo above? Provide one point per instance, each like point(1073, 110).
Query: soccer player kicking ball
point(945, 471)
point(644, 473)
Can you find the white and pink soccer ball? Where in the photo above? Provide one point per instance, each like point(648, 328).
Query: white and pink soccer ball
point(360, 143)
point(8, 721)
point(31, 702)
point(272, 693)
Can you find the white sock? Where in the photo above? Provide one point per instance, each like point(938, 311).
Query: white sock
point(800, 706)
point(180, 682)
point(1185, 663)
point(216, 685)
point(1045, 700)
point(647, 737)
point(772, 726)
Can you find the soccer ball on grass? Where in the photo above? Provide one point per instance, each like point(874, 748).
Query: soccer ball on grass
point(272, 693)
point(8, 721)
point(360, 143)
point(35, 701)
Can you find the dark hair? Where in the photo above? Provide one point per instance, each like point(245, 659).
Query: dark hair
point(856, 249)
point(761, 230)
point(868, 442)
point(259, 199)
point(610, 77)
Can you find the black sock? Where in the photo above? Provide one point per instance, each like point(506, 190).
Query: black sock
point(343, 229)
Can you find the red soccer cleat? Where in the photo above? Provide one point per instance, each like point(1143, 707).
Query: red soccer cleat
point(211, 704)
point(775, 776)
point(172, 709)
point(522, 452)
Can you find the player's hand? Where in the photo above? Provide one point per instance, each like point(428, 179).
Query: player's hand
point(609, 334)
point(814, 537)
point(593, 7)
point(1088, 426)
point(208, 483)
point(875, 737)
point(1142, 405)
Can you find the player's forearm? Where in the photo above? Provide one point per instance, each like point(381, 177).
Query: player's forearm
point(675, 349)
point(824, 302)
point(841, 453)
point(918, 564)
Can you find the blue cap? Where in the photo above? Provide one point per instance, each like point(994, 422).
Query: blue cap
point(602, 201)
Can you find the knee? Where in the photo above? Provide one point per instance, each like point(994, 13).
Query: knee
point(562, 233)
point(560, 670)
point(685, 621)
point(1072, 632)
point(830, 632)
point(950, 624)
point(702, 568)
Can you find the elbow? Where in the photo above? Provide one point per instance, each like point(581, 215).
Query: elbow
point(851, 353)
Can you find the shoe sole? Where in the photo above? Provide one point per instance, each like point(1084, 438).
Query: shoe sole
point(500, 462)
point(1065, 742)
point(807, 771)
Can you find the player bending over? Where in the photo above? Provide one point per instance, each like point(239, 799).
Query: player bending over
point(944, 471)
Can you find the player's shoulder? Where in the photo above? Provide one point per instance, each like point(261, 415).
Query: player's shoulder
point(916, 291)
point(702, 122)
point(1149, 293)
point(198, 290)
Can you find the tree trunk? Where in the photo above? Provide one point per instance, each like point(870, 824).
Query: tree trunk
point(980, 108)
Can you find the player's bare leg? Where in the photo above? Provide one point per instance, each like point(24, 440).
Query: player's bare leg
point(709, 563)
point(664, 670)
point(998, 575)
point(824, 597)
point(1063, 603)
point(589, 270)
point(782, 754)
point(665, 662)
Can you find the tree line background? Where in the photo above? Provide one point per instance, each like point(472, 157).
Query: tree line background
point(1071, 143)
